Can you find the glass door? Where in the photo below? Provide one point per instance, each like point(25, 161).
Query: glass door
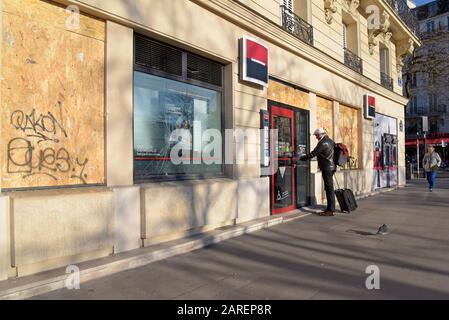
point(283, 179)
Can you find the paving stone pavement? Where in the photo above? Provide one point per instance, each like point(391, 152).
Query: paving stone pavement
point(310, 258)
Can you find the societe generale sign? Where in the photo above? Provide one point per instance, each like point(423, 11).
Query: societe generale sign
point(369, 106)
point(253, 61)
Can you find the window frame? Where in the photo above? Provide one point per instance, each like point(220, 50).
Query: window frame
point(183, 79)
point(345, 35)
point(387, 61)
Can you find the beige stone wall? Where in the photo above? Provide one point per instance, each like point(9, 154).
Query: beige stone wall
point(127, 231)
point(119, 104)
point(5, 238)
point(253, 200)
point(56, 228)
point(175, 209)
point(327, 37)
point(371, 64)
point(267, 8)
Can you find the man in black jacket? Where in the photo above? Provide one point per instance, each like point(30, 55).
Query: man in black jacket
point(324, 151)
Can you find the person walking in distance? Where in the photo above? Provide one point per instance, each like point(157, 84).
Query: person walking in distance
point(324, 151)
point(431, 163)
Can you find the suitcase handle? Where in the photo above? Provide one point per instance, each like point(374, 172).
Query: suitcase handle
point(336, 180)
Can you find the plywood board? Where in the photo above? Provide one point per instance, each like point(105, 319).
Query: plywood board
point(52, 105)
point(349, 119)
point(288, 95)
point(325, 115)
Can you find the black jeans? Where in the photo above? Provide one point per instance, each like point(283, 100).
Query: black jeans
point(329, 188)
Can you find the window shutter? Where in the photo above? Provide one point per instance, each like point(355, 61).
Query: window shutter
point(345, 45)
point(288, 4)
point(205, 70)
point(384, 61)
point(153, 55)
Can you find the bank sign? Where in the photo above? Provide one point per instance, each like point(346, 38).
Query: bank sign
point(253, 61)
point(369, 104)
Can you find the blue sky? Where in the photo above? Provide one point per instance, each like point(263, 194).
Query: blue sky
point(420, 2)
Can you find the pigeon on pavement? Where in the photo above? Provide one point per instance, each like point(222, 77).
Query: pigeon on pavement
point(383, 229)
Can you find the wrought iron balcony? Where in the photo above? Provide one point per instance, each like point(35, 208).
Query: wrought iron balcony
point(386, 81)
point(353, 61)
point(296, 26)
point(405, 13)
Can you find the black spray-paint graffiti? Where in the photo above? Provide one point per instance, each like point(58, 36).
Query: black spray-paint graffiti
point(40, 127)
point(30, 160)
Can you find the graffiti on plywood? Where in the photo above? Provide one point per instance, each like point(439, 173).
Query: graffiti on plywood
point(52, 97)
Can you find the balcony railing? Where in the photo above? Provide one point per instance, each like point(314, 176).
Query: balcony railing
point(386, 81)
point(405, 13)
point(296, 26)
point(353, 61)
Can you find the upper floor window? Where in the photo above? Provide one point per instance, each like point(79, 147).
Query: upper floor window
point(384, 60)
point(294, 19)
point(430, 26)
point(414, 105)
point(433, 9)
point(431, 78)
point(298, 7)
point(413, 80)
point(433, 102)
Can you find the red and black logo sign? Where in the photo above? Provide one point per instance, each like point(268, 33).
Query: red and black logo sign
point(369, 107)
point(254, 61)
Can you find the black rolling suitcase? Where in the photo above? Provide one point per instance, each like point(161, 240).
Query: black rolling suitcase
point(346, 199)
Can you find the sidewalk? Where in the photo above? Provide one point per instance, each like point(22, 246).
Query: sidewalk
point(309, 258)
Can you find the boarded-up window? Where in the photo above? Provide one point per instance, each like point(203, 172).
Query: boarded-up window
point(288, 95)
point(52, 96)
point(349, 119)
point(325, 116)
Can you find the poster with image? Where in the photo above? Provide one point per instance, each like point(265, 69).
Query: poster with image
point(385, 152)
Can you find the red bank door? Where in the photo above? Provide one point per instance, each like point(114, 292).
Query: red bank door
point(283, 178)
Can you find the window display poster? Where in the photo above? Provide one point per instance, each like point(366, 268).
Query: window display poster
point(385, 172)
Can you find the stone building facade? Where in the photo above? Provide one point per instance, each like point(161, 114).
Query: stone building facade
point(90, 101)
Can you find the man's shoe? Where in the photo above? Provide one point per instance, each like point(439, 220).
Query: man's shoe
point(326, 213)
point(431, 190)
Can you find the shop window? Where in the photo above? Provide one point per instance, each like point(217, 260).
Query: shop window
point(177, 100)
point(349, 132)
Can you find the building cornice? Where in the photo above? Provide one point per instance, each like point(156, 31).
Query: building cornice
point(397, 20)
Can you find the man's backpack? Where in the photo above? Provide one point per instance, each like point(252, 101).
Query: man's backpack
point(341, 154)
